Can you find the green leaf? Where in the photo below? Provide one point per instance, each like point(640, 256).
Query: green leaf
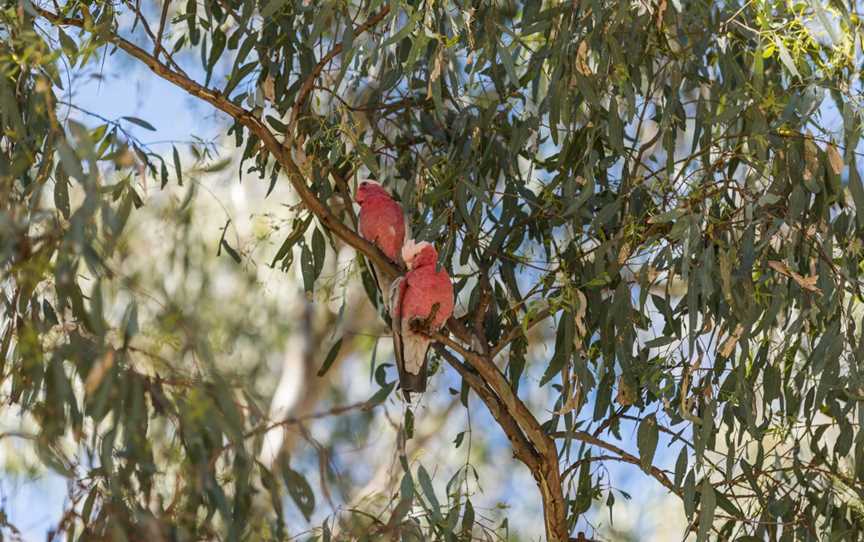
point(563, 347)
point(219, 40)
point(69, 161)
point(50, 318)
point(610, 503)
point(67, 43)
point(307, 267)
point(299, 228)
point(130, 322)
point(689, 495)
point(277, 124)
point(409, 424)
point(331, 357)
point(406, 486)
point(61, 195)
point(857, 190)
point(468, 520)
point(163, 174)
point(771, 383)
point(706, 512)
point(785, 57)
point(140, 122)
point(509, 64)
point(318, 251)
point(582, 502)
point(616, 128)
point(368, 157)
point(231, 252)
point(403, 32)
point(299, 489)
point(238, 75)
point(646, 439)
point(380, 396)
point(268, 481)
point(417, 48)
point(428, 491)
point(272, 7)
point(681, 467)
point(825, 21)
point(216, 166)
point(177, 169)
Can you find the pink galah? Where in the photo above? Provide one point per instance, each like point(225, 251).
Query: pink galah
point(382, 220)
point(382, 223)
point(420, 303)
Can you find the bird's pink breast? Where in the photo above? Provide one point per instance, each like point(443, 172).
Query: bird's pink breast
point(425, 288)
point(382, 223)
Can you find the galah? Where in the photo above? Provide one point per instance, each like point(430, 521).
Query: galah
point(382, 223)
point(421, 301)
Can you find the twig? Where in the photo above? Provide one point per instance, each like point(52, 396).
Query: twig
point(588, 438)
point(157, 48)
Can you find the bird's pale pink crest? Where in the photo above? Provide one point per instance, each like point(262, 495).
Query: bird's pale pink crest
point(412, 252)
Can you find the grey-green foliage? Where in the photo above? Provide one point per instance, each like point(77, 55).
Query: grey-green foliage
point(613, 165)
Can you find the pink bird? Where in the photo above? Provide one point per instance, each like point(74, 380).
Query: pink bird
point(382, 223)
point(421, 302)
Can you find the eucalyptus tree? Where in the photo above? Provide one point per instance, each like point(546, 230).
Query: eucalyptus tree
point(672, 186)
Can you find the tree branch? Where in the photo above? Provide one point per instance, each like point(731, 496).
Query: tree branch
point(588, 438)
point(522, 448)
point(158, 45)
point(498, 382)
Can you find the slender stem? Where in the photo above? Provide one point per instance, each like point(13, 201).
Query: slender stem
point(157, 47)
point(588, 438)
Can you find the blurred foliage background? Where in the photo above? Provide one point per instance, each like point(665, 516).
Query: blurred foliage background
point(652, 211)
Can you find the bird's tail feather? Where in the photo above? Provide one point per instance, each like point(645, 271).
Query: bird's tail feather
point(412, 383)
point(414, 350)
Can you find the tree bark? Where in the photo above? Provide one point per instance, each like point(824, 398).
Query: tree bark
point(554, 504)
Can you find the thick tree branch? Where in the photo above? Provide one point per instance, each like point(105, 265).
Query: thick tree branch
point(498, 382)
point(522, 448)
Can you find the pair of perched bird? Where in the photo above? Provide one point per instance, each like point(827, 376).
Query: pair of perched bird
point(420, 301)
